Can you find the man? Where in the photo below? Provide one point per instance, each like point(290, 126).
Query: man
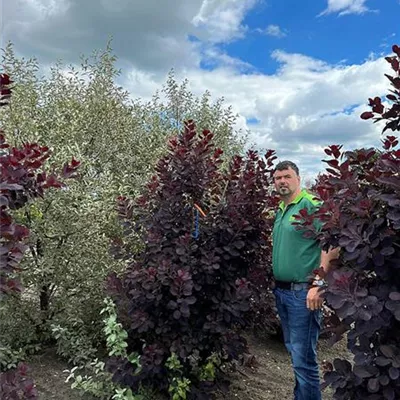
point(298, 300)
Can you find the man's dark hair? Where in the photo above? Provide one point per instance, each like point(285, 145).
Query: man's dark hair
point(286, 165)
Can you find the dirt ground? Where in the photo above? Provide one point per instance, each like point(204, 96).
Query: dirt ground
point(270, 379)
point(47, 370)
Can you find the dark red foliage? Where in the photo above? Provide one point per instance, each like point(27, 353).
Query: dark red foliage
point(361, 215)
point(189, 292)
point(16, 385)
point(392, 113)
point(5, 90)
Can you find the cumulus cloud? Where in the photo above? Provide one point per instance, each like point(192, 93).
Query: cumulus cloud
point(343, 7)
point(306, 105)
point(151, 34)
point(302, 107)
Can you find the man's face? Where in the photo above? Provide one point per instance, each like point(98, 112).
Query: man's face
point(286, 182)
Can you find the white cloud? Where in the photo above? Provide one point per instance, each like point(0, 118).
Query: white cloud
point(221, 20)
point(343, 7)
point(213, 57)
point(152, 34)
point(306, 104)
point(273, 30)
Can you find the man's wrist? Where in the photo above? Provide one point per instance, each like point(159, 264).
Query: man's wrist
point(323, 270)
point(320, 272)
point(318, 278)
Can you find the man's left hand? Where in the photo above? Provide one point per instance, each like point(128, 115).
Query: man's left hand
point(314, 298)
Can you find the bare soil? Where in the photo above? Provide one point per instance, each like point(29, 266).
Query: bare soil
point(47, 370)
point(270, 377)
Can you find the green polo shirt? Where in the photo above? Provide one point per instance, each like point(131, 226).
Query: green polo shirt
point(294, 257)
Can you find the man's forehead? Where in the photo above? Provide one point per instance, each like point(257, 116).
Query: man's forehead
point(287, 171)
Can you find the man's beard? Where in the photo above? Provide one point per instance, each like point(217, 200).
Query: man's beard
point(284, 191)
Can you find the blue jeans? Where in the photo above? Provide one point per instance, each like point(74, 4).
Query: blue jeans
point(301, 329)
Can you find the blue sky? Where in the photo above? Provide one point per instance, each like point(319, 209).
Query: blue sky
point(298, 74)
point(348, 38)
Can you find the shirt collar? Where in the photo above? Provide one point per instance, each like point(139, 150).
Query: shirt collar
point(294, 201)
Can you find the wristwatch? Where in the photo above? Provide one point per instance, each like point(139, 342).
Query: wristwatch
point(319, 282)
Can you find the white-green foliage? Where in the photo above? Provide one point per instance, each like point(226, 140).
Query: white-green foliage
point(115, 334)
point(95, 382)
point(81, 112)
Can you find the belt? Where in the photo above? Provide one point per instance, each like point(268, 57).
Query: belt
point(292, 285)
